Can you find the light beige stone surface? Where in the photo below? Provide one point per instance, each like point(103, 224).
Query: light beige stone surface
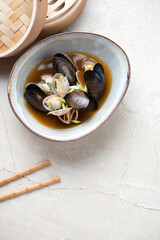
point(110, 186)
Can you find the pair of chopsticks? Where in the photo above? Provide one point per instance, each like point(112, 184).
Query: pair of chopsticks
point(31, 188)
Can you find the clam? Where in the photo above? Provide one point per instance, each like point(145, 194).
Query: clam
point(88, 64)
point(70, 116)
point(47, 78)
point(60, 112)
point(95, 81)
point(93, 105)
point(45, 88)
point(62, 64)
point(45, 84)
point(35, 96)
point(52, 102)
point(60, 85)
point(77, 99)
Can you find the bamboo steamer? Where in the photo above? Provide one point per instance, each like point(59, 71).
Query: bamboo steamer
point(21, 21)
point(61, 13)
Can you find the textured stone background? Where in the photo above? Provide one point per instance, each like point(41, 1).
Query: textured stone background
point(110, 185)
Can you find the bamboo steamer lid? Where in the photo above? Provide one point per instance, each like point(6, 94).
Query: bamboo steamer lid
point(21, 21)
point(61, 13)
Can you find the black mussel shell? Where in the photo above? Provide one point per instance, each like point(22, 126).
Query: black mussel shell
point(34, 97)
point(93, 105)
point(78, 100)
point(98, 68)
point(62, 64)
point(95, 81)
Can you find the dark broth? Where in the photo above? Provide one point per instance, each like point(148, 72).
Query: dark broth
point(46, 67)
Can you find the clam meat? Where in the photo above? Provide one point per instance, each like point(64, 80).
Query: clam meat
point(60, 85)
point(52, 102)
point(45, 83)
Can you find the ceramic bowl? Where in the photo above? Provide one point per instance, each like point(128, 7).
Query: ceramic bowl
point(98, 45)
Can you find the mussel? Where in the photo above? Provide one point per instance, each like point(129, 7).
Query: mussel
point(98, 68)
point(95, 81)
point(77, 99)
point(35, 96)
point(62, 64)
point(93, 105)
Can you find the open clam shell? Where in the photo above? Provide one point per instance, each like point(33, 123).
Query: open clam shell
point(60, 112)
point(60, 85)
point(53, 100)
point(47, 78)
point(88, 64)
point(45, 88)
point(69, 116)
point(46, 83)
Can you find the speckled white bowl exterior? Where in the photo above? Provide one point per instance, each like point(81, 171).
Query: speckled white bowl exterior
point(101, 46)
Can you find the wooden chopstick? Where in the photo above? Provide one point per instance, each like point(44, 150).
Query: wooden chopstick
point(21, 174)
point(31, 188)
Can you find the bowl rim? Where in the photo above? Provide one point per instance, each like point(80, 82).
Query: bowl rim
point(100, 124)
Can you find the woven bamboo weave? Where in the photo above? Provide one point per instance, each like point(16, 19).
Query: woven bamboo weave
point(15, 17)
